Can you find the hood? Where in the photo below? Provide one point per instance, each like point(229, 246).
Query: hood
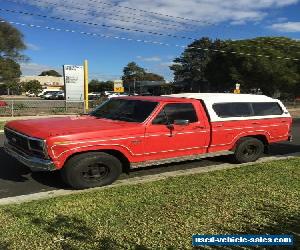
point(44, 128)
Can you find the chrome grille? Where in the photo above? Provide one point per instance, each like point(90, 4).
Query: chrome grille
point(17, 140)
point(24, 143)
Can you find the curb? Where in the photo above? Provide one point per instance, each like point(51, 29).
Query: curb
point(139, 180)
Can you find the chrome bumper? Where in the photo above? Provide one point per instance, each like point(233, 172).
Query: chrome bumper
point(35, 164)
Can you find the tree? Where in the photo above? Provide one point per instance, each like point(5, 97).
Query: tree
point(14, 87)
point(11, 44)
point(221, 71)
point(100, 86)
point(189, 68)
point(33, 86)
point(133, 73)
point(50, 73)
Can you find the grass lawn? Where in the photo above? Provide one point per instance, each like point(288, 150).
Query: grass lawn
point(2, 125)
point(258, 199)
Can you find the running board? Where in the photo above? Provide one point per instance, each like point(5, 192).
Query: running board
point(178, 159)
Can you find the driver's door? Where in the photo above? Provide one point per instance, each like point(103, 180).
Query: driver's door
point(164, 139)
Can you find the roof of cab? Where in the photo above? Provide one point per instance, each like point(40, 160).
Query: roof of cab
point(153, 98)
point(224, 97)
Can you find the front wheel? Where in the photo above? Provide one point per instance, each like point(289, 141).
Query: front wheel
point(248, 150)
point(91, 169)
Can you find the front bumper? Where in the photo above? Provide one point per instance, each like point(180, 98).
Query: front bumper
point(35, 164)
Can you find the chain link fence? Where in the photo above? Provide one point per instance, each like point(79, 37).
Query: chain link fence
point(292, 104)
point(45, 107)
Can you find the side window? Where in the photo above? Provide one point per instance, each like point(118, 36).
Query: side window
point(266, 108)
point(176, 111)
point(235, 109)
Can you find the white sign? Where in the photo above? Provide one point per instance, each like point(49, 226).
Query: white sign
point(74, 82)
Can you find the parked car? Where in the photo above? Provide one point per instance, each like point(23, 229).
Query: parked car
point(59, 95)
point(47, 91)
point(3, 104)
point(30, 94)
point(107, 93)
point(131, 132)
point(94, 96)
point(117, 95)
point(49, 95)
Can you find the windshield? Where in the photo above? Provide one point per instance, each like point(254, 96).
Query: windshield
point(124, 110)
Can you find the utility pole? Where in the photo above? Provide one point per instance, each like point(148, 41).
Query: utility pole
point(134, 85)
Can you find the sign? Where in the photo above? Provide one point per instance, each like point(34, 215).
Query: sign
point(118, 86)
point(74, 82)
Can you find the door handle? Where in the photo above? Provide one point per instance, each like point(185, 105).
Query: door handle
point(202, 127)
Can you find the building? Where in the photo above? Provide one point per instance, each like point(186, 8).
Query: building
point(49, 82)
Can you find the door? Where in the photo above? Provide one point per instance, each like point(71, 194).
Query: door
point(176, 131)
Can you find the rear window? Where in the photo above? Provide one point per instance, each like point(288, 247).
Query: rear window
point(266, 108)
point(247, 109)
point(236, 109)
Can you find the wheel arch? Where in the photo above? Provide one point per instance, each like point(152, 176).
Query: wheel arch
point(262, 137)
point(114, 152)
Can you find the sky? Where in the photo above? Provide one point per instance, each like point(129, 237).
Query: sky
point(117, 30)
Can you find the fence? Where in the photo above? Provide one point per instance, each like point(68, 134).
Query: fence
point(56, 107)
point(45, 107)
point(292, 104)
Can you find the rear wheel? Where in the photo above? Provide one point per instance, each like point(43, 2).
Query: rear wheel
point(91, 169)
point(248, 149)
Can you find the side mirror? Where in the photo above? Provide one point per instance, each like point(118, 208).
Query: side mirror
point(181, 122)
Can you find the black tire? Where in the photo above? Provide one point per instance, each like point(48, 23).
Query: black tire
point(92, 169)
point(248, 149)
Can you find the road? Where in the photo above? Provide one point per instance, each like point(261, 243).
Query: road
point(16, 179)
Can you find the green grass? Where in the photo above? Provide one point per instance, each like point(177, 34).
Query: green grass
point(258, 199)
point(2, 125)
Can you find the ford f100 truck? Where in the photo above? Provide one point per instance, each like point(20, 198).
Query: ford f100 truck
point(136, 131)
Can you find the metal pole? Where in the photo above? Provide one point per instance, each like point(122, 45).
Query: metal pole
point(86, 85)
point(12, 108)
point(133, 86)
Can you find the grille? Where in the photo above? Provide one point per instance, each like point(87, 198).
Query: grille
point(17, 140)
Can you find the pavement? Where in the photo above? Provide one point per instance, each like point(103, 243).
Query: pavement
point(18, 180)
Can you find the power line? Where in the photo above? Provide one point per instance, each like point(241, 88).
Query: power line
point(85, 9)
point(128, 29)
point(96, 24)
point(149, 12)
point(150, 42)
point(139, 21)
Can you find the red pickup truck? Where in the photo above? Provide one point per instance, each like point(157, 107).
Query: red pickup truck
point(131, 132)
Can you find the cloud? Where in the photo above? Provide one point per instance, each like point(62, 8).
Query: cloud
point(31, 69)
point(149, 59)
point(32, 46)
point(286, 27)
point(211, 11)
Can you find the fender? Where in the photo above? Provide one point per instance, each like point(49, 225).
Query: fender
point(256, 133)
point(61, 153)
